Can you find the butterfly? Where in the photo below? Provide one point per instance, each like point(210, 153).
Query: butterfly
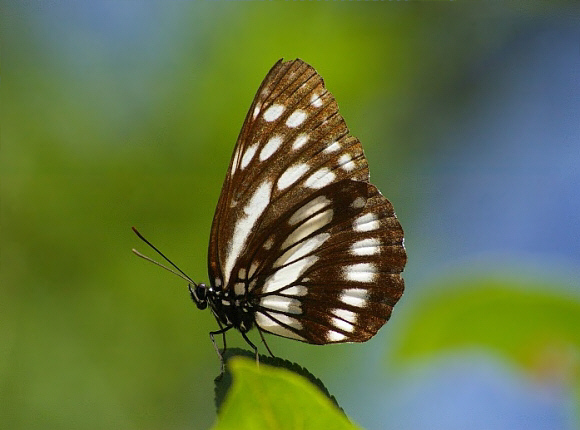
point(302, 245)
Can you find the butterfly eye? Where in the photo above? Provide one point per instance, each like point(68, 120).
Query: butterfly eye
point(198, 295)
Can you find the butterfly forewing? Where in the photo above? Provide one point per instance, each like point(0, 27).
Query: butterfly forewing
point(299, 235)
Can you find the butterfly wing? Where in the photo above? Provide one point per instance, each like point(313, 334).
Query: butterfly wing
point(334, 275)
point(299, 232)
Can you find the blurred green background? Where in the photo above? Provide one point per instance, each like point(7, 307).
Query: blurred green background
point(124, 113)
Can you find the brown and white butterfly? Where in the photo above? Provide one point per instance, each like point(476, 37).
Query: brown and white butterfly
point(302, 245)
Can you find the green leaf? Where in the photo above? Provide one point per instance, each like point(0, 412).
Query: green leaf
point(533, 325)
point(223, 384)
point(266, 397)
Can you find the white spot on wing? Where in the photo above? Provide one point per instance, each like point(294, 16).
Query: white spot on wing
point(297, 118)
point(270, 147)
point(342, 325)
point(321, 178)
point(308, 227)
point(295, 290)
point(315, 100)
point(370, 246)
point(346, 315)
point(302, 249)
point(334, 336)
point(354, 297)
point(281, 304)
point(308, 209)
point(300, 141)
point(268, 243)
point(344, 320)
point(239, 289)
point(345, 161)
point(361, 272)
point(248, 155)
point(287, 275)
point(257, 110)
point(253, 268)
point(333, 147)
point(285, 319)
point(242, 273)
point(273, 113)
point(359, 203)
point(366, 222)
point(252, 211)
point(265, 322)
point(291, 175)
point(236, 160)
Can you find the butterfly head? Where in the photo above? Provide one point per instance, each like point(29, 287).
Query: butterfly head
point(198, 293)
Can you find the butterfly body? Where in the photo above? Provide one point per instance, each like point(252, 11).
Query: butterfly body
point(302, 245)
point(230, 310)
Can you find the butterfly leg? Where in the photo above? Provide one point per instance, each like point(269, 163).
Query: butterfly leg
point(254, 347)
point(221, 331)
point(265, 343)
point(223, 336)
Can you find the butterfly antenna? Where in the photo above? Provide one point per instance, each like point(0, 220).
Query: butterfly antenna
point(179, 272)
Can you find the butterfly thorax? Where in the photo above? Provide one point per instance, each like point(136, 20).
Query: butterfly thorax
point(230, 309)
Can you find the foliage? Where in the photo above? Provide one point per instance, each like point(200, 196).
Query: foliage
point(266, 397)
point(533, 325)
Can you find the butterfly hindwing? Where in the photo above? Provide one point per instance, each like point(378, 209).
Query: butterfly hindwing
point(336, 277)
